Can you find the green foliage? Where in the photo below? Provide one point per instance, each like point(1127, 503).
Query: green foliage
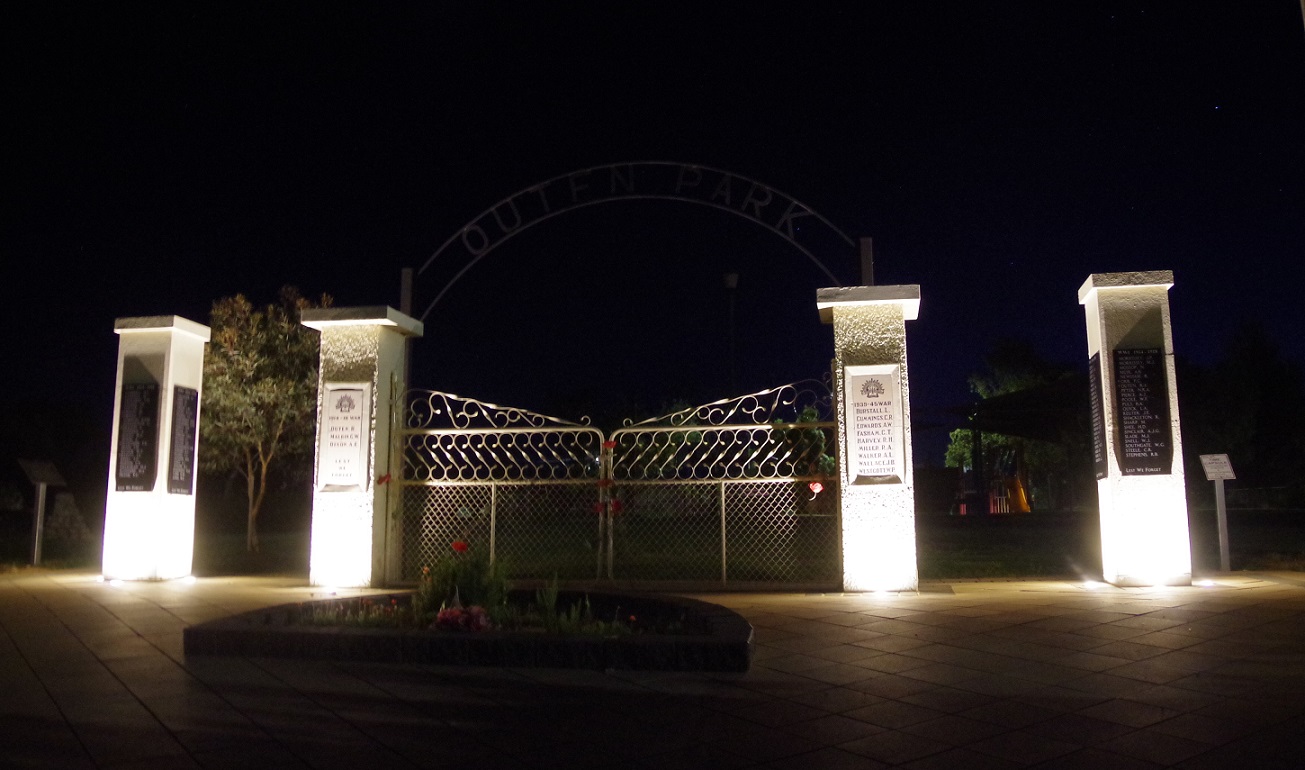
point(805, 447)
point(576, 619)
point(546, 597)
point(468, 579)
point(1045, 467)
point(260, 393)
point(364, 612)
point(960, 448)
point(1011, 366)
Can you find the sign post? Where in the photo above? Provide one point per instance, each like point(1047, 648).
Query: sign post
point(1218, 468)
point(42, 474)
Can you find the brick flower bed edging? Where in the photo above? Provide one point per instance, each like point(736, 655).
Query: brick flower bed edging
point(719, 639)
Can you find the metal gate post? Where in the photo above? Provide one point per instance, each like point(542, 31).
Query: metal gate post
point(397, 522)
point(493, 520)
point(598, 551)
point(605, 482)
point(723, 568)
point(610, 525)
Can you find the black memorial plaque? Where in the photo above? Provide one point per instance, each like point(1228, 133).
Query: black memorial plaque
point(181, 456)
point(138, 437)
point(1142, 412)
point(1100, 464)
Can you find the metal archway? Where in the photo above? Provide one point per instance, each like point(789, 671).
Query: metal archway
point(649, 180)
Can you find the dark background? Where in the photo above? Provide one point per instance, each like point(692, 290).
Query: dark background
point(160, 156)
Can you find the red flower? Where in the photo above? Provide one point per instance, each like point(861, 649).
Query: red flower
point(459, 619)
point(616, 506)
point(816, 487)
point(609, 445)
point(460, 546)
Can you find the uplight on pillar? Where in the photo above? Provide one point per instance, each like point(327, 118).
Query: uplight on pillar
point(877, 483)
point(149, 516)
point(355, 527)
point(1137, 445)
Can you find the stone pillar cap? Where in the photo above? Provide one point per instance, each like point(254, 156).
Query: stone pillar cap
point(161, 323)
point(378, 315)
point(1137, 280)
point(906, 295)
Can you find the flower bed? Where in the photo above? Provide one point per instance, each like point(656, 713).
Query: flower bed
point(655, 633)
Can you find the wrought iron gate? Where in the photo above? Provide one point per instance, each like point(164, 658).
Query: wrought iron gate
point(518, 483)
point(737, 493)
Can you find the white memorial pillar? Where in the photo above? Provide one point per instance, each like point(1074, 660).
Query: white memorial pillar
point(877, 482)
point(1137, 449)
point(355, 529)
point(149, 516)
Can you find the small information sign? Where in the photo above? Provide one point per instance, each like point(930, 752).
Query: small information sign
point(875, 435)
point(1217, 468)
point(342, 455)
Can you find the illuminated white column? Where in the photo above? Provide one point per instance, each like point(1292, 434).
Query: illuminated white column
point(149, 516)
point(1136, 441)
point(877, 482)
point(355, 528)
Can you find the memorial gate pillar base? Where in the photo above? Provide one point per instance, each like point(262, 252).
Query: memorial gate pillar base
point(1137, 445)
point(876, 478)
point(355, 534)
point(149, 514)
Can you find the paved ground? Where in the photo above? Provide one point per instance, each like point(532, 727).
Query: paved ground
point(967, 675)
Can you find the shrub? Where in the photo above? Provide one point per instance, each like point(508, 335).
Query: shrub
point(466, 579)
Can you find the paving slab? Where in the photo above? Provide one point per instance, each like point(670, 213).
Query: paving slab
point(980, 674)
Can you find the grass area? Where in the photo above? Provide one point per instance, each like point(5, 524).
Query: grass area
point(949, 547)
point(1069, 544)
point(56, 553)
point(225, 554)
point(1257, 539)
point(1030, 545)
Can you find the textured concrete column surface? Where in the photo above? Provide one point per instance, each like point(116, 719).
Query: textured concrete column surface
point(149, 516)
point(877, 484)
point(1137, 444)
point(355, 538)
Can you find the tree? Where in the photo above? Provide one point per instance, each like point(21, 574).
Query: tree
point(1011, 366)
point(1025, 403)
point(260, 393)
point(1250, 405)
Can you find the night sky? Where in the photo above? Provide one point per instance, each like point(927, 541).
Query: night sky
point(158, 157)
